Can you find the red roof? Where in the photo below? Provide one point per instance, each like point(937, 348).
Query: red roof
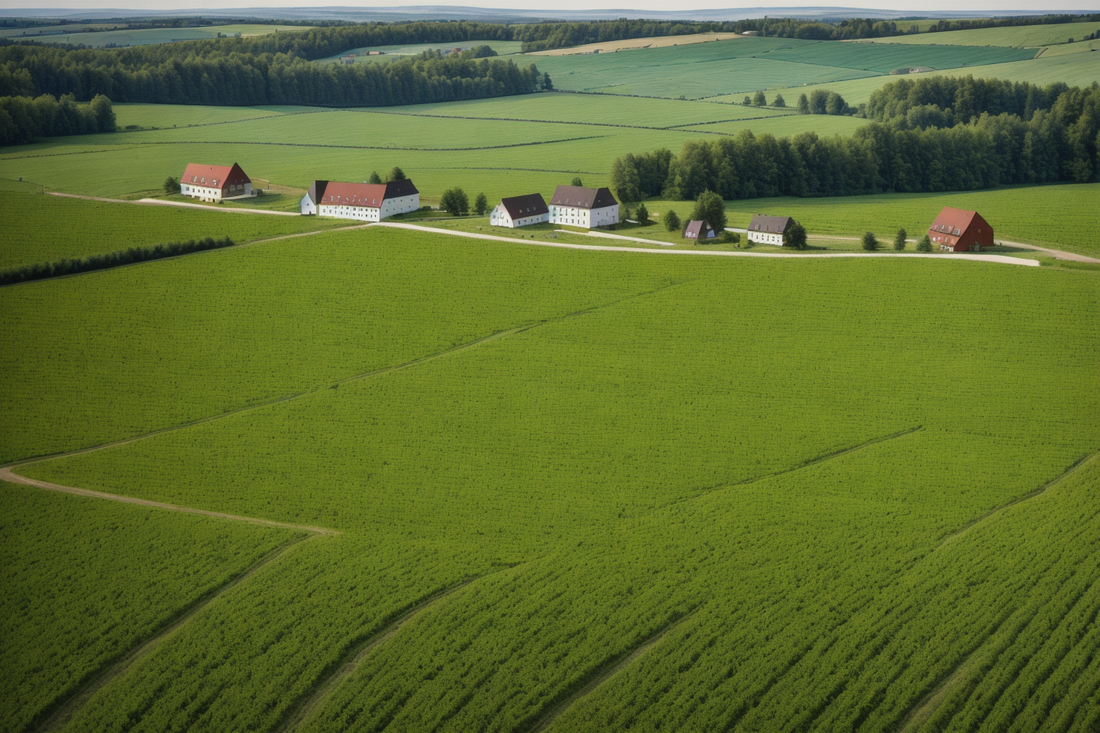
point(354, 194)
point(953, 221)
point(214, 176)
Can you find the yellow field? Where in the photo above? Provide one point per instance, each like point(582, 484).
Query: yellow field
point(635, 43)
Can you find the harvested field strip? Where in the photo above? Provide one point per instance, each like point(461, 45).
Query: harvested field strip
point(65, 710)
point(603, 674)
point(588, 124)
point(1081, 463)
point(365, 147)
point(357, 650)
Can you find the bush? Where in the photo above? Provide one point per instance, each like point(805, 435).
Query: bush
point(171, 185)
point(925, 244)
point(899, 240)
point(672, 221)
point(870, 244)
point(455, 202)
point(795, 237)
point(642, 214)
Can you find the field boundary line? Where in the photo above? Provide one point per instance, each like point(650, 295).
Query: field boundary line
point(603, 673)
point(369, 147)
point(7, 473)
point(1077, 465)
point(112, 670)
point(359, 649)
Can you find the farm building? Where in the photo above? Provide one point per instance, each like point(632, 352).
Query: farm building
point(520, 211)
point(584, 207)
point(699, 229)
point(361, 201)
point(769, 229)
point(957, 230)
point(214, 182)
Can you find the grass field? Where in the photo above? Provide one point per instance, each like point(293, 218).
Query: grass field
point(660, 476)
point(634, 44)
point(148, 36)
point(39, 228)
point(389, 53)
point(1028, 36)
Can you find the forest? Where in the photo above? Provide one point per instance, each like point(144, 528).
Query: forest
point(135, 75)
point(993, 133)
point(25, 119)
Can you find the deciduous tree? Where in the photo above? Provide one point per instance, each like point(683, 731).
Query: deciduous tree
point(712, 209)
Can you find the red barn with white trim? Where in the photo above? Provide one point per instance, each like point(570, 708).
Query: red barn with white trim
point(957, 230)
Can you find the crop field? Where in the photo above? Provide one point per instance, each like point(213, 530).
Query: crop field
point(149, 36)
point(633, 44)
point(583, 490)
point(389, 53)
point(86, 580)
point(161, 116)
point(883, 57)
point(39, 228)
point(1028, 36)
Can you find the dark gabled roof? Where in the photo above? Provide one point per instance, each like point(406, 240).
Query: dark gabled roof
point(317, 191)
point(583, 198)
point(397, 189)
point(519, 207)
point(772, 224)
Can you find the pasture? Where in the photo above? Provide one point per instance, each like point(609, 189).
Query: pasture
point(1027, 36)
point(616, 480)
point(389, 53)
point(633, 44)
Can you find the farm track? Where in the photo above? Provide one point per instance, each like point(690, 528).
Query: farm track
point(1076, 466)
point(67, 708)
point(357, 652)
point(603, 674)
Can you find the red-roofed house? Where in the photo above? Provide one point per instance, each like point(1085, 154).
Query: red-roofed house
point(957, 230)
point(361, 201)
point(214, 182)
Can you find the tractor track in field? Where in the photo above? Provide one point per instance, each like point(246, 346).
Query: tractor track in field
point(602, 674)
point(358, 650)
point(66, 708)
point(1076, 466)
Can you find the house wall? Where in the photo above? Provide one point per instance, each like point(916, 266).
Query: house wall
point(402, 205)
point(309, 208)
point(766, 238)
point(588, 218)
point(202, 193)
point(358, 213)
point(499, 217)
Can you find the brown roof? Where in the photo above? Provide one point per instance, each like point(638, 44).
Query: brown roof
point(953, 221)
point(773, 224)
point(583, 198)
point(214, 176)
point(519, 207)
point(337, 193)
point(697, 229)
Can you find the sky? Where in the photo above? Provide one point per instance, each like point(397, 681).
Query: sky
point(988, 7)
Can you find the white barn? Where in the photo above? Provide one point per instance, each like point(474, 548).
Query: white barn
point(520, 211)
point(215, 182)
point(360, 201)
point(769, 229)
point(584, 207)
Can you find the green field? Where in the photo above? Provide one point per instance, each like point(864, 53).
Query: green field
point(389, 53)
point(1028, 36)
point(38, 228)
point(756, 474)
point(103, 36)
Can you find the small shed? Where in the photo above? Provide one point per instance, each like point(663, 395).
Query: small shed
point(958, 230)
point(699, 229)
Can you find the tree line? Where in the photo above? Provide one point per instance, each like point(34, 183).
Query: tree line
point(242, 79)
point(25, 119)
point(1055, 144)
point(73, 266)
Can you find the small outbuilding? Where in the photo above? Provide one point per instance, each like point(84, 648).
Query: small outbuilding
point(214, 182)
point(520, 211)
point(699, 229)
point(958, 230)
point(769, 229)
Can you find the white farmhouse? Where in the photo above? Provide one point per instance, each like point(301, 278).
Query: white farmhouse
point(769, 229)
point(360, 201)
point(584, 207)
point(520, 211)
point(215, 182)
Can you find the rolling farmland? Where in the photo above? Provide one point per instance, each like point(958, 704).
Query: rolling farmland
point(396, 480)
point(761, 552)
